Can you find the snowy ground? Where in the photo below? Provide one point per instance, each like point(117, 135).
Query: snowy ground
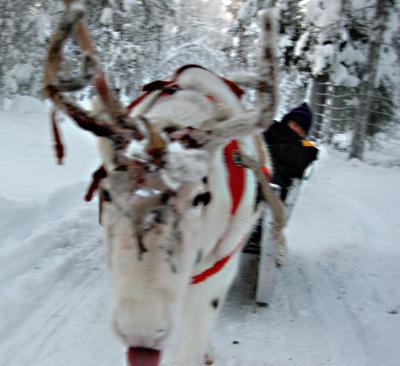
point(337, 302)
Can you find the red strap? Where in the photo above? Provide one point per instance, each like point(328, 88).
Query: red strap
point(238, 91)
point(236, 175)
point(98, 175)
point(212, 270)
point(135, 102)
point(58, 144)
point(156, 85)
point(161, 84)
point(218, 266)
point(267, 172)
point(236, 182)
point(232, 86)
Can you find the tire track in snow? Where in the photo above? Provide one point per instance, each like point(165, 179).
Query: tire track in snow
point(71, 273)
point(339, 276)
point(322, 313)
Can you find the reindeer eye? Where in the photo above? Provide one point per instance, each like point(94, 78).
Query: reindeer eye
point(121, 168)
point(202, 198)
point(171, 129)
point(158, 216)
point(105, 196)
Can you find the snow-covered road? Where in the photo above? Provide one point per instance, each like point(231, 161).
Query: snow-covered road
point(337, 301)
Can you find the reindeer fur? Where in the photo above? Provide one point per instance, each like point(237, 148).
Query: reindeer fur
point(168, 212)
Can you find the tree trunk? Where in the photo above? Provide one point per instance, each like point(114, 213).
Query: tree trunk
point(318, 102)
point(368, 82)
point(263, 4)
point(333, 99)
point(5, 47)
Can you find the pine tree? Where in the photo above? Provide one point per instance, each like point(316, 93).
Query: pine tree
point(382, 108)
point(368, 82)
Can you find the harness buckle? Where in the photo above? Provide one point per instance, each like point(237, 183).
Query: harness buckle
point(236, 159)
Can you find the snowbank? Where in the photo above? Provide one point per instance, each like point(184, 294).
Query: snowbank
point(28, 163)
point(336, 303)
point(24, 105)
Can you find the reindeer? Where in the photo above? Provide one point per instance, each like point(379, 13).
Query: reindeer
point(178, 187)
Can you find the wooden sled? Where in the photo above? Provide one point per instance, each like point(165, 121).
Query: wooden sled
point(267, 267)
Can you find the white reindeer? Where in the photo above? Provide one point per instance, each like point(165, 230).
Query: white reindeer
point(177, 203)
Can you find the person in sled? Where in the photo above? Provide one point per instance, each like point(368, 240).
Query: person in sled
point(291, 153)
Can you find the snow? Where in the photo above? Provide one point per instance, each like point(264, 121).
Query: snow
point(320, 13)
point(184, 165)
point(244, 77)
point(360, 4)
point(322, 58)
point(341, 76)
point(335, 298)
point(351, 55)
point(44, 27)
point(127, 4)
point(342, 141)
point(106, 17)
point(28, 164)
point(19, 74)
point(246, 10)
point(24, 104)
point(336, 302)
point(301, 43)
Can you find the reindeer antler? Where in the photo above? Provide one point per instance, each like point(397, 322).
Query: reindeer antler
point(264, 78)
point(264, 81)
point(267, 70)
point(122, 128)
point(54, 85)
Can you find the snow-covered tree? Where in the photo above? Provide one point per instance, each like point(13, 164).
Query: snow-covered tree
point(25, 28)
point(333, 50)
point(370, 77)
point(137, 41)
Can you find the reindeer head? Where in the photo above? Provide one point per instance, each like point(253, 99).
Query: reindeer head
point(151, 221)
point(155, 160)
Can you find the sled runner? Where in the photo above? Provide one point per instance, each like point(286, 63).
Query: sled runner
point(261, 242)
point(267, 266)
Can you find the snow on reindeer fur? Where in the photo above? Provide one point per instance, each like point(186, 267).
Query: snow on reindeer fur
point(185, 165)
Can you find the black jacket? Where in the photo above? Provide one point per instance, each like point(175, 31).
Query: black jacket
point(291, 155)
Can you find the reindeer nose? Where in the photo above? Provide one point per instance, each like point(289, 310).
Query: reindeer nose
point(129, 338)
point(137, 331)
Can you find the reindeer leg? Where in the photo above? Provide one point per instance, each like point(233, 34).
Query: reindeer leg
point(202, 306)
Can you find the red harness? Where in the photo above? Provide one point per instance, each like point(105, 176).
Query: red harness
point(236, 172)
point(236, 182)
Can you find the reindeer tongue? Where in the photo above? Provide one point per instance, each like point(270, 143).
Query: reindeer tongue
point(143, 357)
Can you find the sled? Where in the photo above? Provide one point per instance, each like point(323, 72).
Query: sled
point(266, 264)
point(267, 267)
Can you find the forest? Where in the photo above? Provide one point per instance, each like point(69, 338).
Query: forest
point(340, 56)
